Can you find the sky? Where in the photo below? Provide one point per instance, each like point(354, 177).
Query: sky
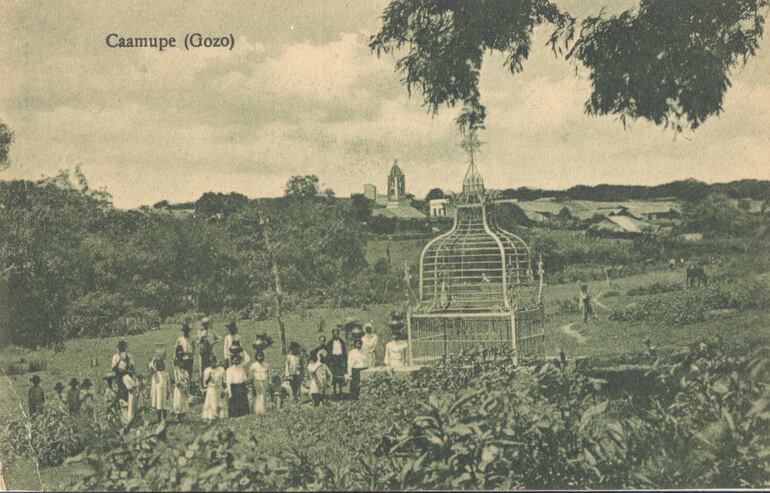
point(301, 93)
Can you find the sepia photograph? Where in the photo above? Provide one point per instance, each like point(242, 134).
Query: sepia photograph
point(384, 245)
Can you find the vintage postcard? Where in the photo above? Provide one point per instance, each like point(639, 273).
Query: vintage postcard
point(384, 245)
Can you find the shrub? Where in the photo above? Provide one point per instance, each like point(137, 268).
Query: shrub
point(656, 287)
point(692, 305)
point(22, 366)
point(99, 314)
point(54, 436)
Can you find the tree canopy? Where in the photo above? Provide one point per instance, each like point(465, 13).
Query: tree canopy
point(663, 61)
point(6, 138)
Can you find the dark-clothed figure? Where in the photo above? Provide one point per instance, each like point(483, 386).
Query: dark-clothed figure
point(35, 396)
point(73, 397)
point(184, 351)
point(206, 340)
point(356, 364)
point(237, 382)
point(292, 369)
point(585, 301)
point(337, 360)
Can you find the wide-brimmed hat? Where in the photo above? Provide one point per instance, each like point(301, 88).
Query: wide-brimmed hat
point(74, 382)
point(35, 379)
point(58, 386)
point(236, 349)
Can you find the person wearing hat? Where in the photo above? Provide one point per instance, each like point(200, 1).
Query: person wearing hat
point(214, 380)
point(87, 397)
point(205, 342)
point(337, 358)
point(237, 381)
point(35, 396)
point(259, 374)
point(232, 336)
point(122, 359)
point(369, 344)
point(73, 397)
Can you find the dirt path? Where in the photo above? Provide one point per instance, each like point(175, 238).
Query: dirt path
point(567, 329)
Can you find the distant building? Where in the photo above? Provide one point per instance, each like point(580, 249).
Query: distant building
point(396, 184)
point(397, 202)
point(370, 191)
point(439, 207)
point(620, 226)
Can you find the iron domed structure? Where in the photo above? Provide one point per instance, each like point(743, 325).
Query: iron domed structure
point(476, 287)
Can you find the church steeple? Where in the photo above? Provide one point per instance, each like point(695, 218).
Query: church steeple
point(396, 183)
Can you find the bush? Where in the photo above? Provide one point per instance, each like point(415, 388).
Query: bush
point(692, 305)
point(54, 436)
point(656, 287)
point(99, 314)
point(22, 366)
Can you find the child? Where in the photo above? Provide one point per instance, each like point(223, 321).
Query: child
point(35, 396)
point(278, 392)
point(214, 380)
point(60, 401)
point(159, 387)
point(259, 376)
point(110, 393)
point(87, 397)
point(320, 375)
point(292, 370)
point(73, 397)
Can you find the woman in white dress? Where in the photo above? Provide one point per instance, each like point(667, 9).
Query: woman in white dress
point(395, 352)
point(128, 405)
point(260, 378)
point(159, 387)
point(369, 345)
point(182, 372)
point(214, 380)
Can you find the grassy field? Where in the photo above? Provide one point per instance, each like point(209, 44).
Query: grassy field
point(564, 332)
point(400, 251)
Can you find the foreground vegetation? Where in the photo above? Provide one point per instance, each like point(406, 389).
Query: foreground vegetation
point(474, 421)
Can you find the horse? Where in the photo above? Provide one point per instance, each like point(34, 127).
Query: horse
point(696, 273)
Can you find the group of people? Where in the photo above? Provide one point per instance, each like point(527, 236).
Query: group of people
point(79, 399)
point(239, 383)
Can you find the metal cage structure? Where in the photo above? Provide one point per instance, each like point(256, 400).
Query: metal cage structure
point(476, 286)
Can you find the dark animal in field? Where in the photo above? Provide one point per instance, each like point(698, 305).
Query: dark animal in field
point(696, 275)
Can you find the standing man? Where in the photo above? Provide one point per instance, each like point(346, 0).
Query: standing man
point(338, 361)
point(35, 396)
point(205, 342)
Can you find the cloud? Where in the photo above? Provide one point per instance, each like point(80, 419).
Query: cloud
point(314, 100)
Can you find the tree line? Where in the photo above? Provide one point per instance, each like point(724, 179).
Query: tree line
point(71, 264)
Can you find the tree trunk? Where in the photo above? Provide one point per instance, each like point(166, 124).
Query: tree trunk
point(278, 290)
